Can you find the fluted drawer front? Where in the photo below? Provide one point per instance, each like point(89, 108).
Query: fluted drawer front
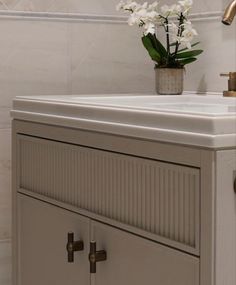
point(157, 197)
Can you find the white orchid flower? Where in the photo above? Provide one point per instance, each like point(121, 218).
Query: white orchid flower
point(131, 6)
point(153, 6)
point(172, 10)
point(147, 15)
point(145, 5)
point(153, 17)
point(120, 5)
point(127, 6)
point(173, 32)
point(138, 17)
point(186, 6)
point(149, 28)
point(173, 28)
point(186, 43)
point(188, 35)
point(186, 3)
point(133, 20)
point(176, 9)
point(165, 11)
point(178, 30)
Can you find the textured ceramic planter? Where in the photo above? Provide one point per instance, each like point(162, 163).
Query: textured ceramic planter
point(169, 81)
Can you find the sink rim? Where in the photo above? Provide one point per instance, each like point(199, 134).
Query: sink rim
point(109, 101)
point(214, 131)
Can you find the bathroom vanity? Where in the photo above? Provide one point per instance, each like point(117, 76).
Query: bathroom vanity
point(131, 190)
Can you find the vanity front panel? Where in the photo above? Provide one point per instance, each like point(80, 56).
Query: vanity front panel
point(155, 196)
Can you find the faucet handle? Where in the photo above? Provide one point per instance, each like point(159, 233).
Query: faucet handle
point(231, 75)
point(231, 84)
point(224, 74)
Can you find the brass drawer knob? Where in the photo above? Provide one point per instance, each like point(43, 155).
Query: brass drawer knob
point(95, 256)
point(73, 246)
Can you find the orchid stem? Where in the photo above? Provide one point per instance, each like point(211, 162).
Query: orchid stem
point(167, 39)
point(181, 29)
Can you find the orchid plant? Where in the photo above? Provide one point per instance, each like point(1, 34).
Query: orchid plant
point(178, 29)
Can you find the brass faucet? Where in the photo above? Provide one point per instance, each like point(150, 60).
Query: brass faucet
point(231, 92)
point(228, 18)
point(230, 13)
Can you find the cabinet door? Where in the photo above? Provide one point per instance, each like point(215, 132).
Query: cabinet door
point(132, 260)
point(42, 239)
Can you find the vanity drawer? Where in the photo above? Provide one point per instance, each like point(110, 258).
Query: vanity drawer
point(158, 198)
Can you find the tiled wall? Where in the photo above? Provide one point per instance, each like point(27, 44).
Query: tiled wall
point(93, 6)
point(59, 56)
point(5, 202)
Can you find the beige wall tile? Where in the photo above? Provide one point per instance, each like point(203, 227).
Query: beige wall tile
point(110, 59)
point(8, 4)
point(114, 60)
point(34, 5)
point(202, 5)
point(34, 59)
point(96, 7)
point(103, 7)
point(219, 44)
point(5, 185)
point(5, 120)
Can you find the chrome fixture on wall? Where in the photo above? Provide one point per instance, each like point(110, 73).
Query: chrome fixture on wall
point(230, 13)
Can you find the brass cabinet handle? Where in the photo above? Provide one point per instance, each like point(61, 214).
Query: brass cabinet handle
point(95, 256)
point(73, 246)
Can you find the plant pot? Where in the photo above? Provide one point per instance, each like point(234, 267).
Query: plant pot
point(169, 81)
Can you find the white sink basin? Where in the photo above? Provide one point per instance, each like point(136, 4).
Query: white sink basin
point(206, 121)
point(184, 104)
point(195, 108)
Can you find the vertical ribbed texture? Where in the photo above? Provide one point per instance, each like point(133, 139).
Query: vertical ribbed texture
point(160, 198)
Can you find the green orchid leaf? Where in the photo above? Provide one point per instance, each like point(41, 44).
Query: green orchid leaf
point(190, 53)
point(151, 50)
point(193, 45)
point(158, 45)
point(187, 60)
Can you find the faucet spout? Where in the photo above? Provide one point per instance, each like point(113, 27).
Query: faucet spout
point(230, 13)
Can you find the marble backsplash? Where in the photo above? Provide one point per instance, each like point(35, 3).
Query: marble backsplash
point(54, 56)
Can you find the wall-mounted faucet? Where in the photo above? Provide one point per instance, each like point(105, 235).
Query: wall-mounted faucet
point(231, 92)
point(230, 13)
point(228, 18)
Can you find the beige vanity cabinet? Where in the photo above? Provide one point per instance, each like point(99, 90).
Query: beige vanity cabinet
point(143, 213)
point(42, 239)
point(156, 211)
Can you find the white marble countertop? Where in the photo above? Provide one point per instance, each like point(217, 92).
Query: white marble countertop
point(204, 121)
